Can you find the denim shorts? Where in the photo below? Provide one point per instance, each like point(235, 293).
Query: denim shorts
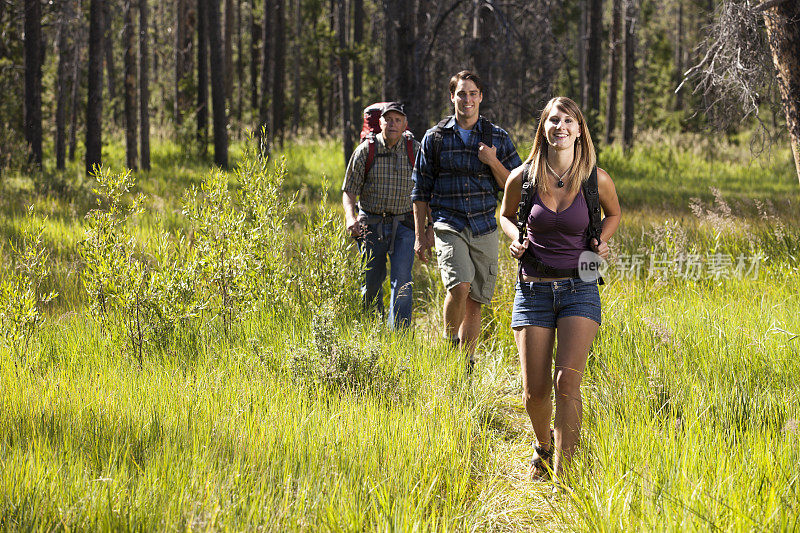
point(542, 303)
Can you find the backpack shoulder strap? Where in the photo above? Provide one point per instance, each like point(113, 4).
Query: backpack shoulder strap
point(442, 123)
point(409, 146)
point(592, 196)
point(525, 201)
point(437, 142)
point(370, 138)
point(486, 131)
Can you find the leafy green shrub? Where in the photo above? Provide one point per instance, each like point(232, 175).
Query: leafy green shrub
point(220, 255)
point(237, 256)
point(22, 297)
point(239, 239)
point(173, 298)
point(114, 273)
point(266, 238)
point(141, 298)
point(344, 365)
point(327, 270)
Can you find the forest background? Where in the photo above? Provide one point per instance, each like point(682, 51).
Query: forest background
point(311, 65)
point(182, 341)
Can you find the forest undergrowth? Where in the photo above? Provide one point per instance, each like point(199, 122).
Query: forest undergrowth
point(185, 349)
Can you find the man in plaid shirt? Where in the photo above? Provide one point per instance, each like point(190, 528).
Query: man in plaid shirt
point(382, 220)
point(456, 180)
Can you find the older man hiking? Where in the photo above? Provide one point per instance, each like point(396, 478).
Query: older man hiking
point(462, 165)
point(379, 177)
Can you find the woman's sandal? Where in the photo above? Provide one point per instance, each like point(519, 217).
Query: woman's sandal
point(541, 462)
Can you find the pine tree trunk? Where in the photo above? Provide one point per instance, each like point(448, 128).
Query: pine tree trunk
point(75, 82)
point(144, 84)
point(157, 76)
point(180, 15)
point(482, 48)
point(401, 56)
point(594, 67)
point(391, 60)
point(228, 21)
point(255, 59)
point(296, 90)
point(202, 75)
point(613, 69)
point(184, 67)
point(64, 21)
point(33, 81)
point(217, 86)
point(783, 30)
point(333, 87)
point(358, 69)
point(678, 55)
point(320, 92)
point(111, 68)
point(417, 111)
point(94, 97)
point(239, 61)
point(131, 129)
point(279, 74)
point(631, 14)
point(344, 89)
point(266, 75)
point(581, 49)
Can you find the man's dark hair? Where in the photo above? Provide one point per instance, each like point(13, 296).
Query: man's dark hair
point(465, 75)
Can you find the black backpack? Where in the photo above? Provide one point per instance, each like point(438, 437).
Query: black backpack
point(592, 196)
point(438, 130)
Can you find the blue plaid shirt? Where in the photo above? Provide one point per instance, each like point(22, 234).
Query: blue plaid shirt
point(465, 191)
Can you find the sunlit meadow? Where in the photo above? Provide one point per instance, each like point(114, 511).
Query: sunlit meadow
point(205, 364)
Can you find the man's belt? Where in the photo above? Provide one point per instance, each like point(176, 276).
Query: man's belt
point(379, 220)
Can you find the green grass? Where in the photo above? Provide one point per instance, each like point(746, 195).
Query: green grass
point(227, 441)
point(691, 400)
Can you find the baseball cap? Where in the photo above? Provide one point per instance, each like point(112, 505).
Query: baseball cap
point(393, 106)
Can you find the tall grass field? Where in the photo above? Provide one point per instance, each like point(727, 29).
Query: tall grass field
point(184, 349)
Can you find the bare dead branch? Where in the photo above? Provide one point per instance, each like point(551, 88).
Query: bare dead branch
point(763, 6)
point(735, 76)
point(438, 27)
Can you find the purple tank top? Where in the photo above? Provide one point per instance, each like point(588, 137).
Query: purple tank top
point(557, 239)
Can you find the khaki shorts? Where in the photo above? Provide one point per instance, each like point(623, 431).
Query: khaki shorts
point(465, 258)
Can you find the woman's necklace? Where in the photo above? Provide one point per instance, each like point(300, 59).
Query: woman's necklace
point(560, 182)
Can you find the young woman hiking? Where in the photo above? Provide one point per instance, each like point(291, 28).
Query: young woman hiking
point(553, 300)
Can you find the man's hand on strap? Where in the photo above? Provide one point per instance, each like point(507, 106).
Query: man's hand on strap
point(487, 154)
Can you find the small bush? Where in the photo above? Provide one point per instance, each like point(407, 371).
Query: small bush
point(22, 298)
point(327, 271)
point(220, 251)
point(266, 208)
point(344, 365)
point(239, 239)
point(114, 272)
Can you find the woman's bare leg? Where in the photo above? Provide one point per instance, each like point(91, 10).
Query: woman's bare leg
point(575, 336)
point(535, 345)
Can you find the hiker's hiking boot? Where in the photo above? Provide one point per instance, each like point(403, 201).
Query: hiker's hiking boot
point(455, 343)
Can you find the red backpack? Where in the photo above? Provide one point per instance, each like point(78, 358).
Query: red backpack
point(372, 127)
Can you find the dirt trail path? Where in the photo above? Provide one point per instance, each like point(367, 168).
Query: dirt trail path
point(510, 499)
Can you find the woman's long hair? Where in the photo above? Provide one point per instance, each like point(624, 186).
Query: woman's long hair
point(585, 158)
